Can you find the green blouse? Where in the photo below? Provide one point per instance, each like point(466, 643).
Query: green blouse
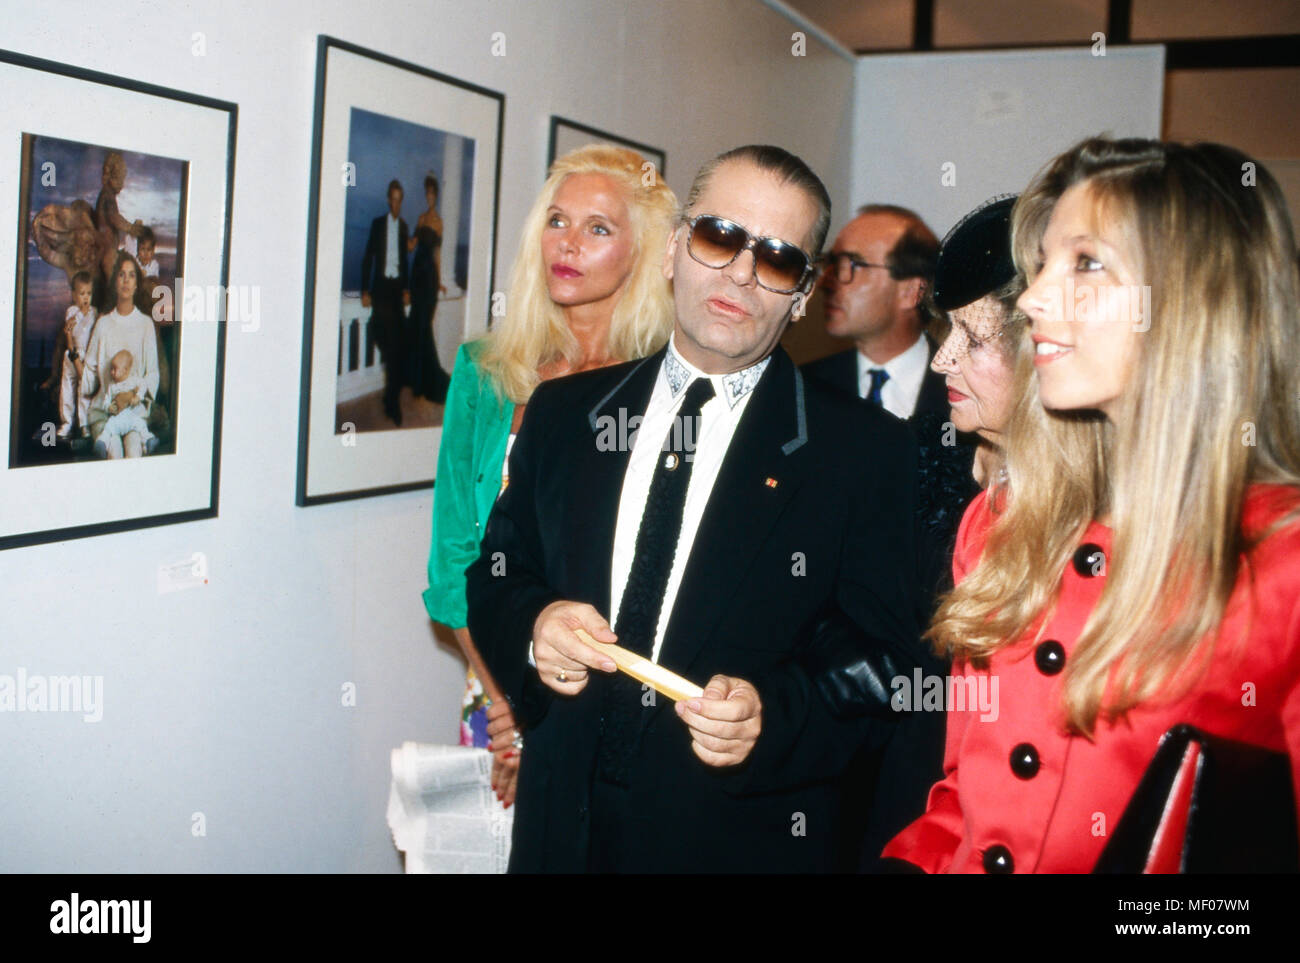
point(475, 429)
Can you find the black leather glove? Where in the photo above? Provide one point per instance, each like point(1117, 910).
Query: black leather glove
point(850, 670)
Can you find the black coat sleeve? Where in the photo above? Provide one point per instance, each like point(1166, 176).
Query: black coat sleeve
point(806, 736)
point(369, 256)
point(506, 587)
point(403, 256)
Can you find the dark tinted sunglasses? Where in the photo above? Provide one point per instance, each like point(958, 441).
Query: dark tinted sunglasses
point(779, 267)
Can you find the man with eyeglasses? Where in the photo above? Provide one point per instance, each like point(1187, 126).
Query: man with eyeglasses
point(735, 540)
point(875, 278)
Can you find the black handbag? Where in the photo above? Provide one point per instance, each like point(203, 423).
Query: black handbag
point(1207, 805)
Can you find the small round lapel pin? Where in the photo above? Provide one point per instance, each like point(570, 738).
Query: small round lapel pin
point(670, 461)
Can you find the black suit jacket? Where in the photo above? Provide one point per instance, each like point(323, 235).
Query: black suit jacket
point(797, 520)
point(840, 370)
point(372, 261)
point(897, 777)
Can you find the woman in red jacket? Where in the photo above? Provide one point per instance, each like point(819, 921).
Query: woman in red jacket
point(1140, 567)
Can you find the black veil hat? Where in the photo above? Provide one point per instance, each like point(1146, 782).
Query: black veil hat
point(975, 257)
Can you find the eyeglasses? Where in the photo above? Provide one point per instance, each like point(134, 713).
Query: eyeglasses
point(779, 267)
point(843, 264)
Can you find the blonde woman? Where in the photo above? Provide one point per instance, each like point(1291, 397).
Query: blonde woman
point(1142, 566)
point(585, 291)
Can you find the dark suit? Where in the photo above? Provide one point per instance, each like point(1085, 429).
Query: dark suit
point(796, 520)
point(912, 759)
point(840, 370)
point(387, 314)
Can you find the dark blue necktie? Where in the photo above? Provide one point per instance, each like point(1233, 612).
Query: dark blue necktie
point(643, 596)
point(878, 378)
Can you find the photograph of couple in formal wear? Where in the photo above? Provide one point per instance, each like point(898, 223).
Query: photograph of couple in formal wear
point(101, 241)
point(406, 238)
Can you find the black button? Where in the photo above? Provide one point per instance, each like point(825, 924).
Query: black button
point(1090, 560)
point(1025, 761)
point(997, 859)
point(1050, 657)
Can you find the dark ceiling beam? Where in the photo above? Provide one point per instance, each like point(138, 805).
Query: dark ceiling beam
point(1228, 53)
point(1119, 21)
point(923, 25)
point(1279, 50)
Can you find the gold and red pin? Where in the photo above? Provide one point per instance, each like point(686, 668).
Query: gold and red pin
point(770, 482)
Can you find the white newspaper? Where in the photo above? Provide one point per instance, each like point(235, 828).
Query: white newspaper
point(443, 813)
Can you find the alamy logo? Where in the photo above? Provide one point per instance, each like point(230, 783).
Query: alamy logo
point(619, 434)
point(75, 915)
point(946, 693)
point(22, 692)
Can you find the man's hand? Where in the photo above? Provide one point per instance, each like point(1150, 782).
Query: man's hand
point(406, 298)
point(365, 299)
point(724, 722)
point(563, 662)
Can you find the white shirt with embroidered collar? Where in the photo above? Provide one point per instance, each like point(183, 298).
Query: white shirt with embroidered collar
point(711, 439)
point(706, 444)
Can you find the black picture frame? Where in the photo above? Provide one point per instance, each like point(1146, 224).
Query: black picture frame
point(567, 134)
point(72, 495)
point(396, 459)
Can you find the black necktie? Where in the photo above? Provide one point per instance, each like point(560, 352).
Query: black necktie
point(878, 378)
point(643, 596)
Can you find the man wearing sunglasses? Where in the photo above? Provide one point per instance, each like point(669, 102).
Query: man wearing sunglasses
point(875, 277)
point(730, 560)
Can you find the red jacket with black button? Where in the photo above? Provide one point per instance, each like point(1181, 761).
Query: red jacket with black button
point(1021, 794)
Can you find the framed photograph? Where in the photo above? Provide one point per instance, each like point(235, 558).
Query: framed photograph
point(405, 177)
point(114, 361)
point(567, 135)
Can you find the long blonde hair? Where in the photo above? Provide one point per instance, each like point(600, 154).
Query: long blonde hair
point(534, 331)
point(1211, 407)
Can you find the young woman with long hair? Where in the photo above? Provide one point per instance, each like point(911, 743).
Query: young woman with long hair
point(1141, 567)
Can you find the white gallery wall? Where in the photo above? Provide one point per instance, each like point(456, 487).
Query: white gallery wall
point(942, 132)
point(224, 703)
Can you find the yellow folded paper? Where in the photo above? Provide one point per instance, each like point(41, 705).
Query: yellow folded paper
point(643, 670)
